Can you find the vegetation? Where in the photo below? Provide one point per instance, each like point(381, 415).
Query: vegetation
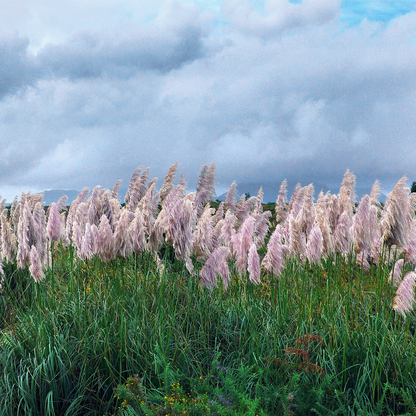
point(143, 329)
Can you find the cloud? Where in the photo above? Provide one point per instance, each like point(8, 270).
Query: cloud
point(17, 68)
point(300, 96)
point(172, 40)
point(278, 16)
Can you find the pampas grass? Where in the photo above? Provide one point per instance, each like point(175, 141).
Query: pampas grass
point(300, 315)
point(405, 295)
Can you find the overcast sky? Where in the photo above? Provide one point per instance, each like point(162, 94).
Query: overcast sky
point(268, 90)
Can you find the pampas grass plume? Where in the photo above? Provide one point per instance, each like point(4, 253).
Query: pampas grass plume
point(281, 203)
point(315, 245)
point(230, 198)
point(54, 223)
point(405, 295)
point(168, 182)
point(396, 273)
point(35, 267)
point(254, 264)
point(216, 264)
point(273, 261)
point(397, 215)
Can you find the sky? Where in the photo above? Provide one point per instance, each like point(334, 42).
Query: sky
point(265, 89)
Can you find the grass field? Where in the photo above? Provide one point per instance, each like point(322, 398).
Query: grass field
point(121, 339)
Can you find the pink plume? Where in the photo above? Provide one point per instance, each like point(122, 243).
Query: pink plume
point(258, 208)
point(323, 222)
point(242, 243)
point(62, 201)
point(122, 238)
point(405, 295)
point(297, 237)
point(397, 215)
point(315, 245)
point(343, 240)
point(35, 267)
point(274, 260)
point(361, 235)
point(205, 189)
point(8, 240)
point(23, 251)
point(216, 264)
point(133, 179)
point(219, 215)
point(307, 212)
point(347, 194)
point(105, 245)
point(116, 188)
point(87, 244)
point(137, 233)
point(281, 204)
point(54, 223)
point(396, 272)
point(203, 235)
point(254, 264)
point(138, 190)
point(168, 182)
point(230, 198)
point(261, 226)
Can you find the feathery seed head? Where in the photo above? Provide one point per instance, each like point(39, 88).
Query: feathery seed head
point(405, 294)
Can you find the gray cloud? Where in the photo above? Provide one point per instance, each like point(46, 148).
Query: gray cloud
point(119, 55)
point(304, 101)
point(17, 68)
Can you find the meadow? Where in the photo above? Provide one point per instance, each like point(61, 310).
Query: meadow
point(172, 304)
